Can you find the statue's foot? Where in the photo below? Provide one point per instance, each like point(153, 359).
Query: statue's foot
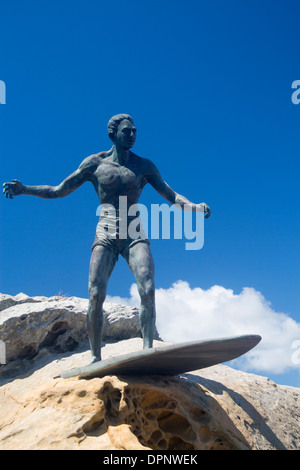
point(95, 359)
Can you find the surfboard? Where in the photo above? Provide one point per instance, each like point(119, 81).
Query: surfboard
point(170, 360)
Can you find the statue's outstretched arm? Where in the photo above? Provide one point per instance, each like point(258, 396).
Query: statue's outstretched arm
point(155, 179)
point(72, 182)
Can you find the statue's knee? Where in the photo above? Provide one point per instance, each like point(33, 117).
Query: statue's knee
point(147, 293)
point(97, 294)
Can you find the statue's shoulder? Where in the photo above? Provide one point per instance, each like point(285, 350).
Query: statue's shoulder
point(92, 162)
point(100, 156)
point(146, 165)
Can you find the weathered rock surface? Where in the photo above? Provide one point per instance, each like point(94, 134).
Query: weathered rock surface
point(214, 408)
point(29, 325)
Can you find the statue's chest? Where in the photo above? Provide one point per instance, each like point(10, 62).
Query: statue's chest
point(113, 176)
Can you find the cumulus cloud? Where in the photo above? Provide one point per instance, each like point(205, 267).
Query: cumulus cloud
point(186, 314)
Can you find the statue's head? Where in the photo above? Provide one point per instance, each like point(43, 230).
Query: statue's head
point(121, 130)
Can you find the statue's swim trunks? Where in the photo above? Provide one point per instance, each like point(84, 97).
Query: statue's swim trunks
point(118, 233)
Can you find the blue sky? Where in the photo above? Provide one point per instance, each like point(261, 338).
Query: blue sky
point(209, 87)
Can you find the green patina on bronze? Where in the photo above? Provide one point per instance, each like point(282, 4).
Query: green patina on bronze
point(170, 360)
point(114, 173)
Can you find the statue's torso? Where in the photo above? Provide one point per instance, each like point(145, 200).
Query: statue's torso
point(112, 180)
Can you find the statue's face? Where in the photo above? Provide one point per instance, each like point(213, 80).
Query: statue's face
point(126, 134)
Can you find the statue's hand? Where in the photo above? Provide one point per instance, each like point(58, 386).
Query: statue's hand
point(205, 208)
point(13, 189)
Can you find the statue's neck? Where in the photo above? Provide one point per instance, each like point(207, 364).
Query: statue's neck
point(120, 154)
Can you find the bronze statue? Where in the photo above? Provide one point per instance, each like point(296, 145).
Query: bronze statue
point(114, 173)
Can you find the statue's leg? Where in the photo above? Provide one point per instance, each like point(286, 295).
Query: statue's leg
point(102, 264)
point(140, 261)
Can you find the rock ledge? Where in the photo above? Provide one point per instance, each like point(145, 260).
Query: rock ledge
point(211, 409)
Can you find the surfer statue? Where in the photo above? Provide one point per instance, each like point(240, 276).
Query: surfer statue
point(115, 174)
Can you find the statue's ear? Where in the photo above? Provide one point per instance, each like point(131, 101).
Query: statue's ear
point(111, 135)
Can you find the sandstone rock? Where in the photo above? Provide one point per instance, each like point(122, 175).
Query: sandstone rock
point(7, 301)
point(29, 325)
point(214, 408)
point(26, 328)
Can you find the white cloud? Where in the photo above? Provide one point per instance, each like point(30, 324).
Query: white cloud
point(186, 314)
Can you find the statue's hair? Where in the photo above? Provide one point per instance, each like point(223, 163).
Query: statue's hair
point(114, 122)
